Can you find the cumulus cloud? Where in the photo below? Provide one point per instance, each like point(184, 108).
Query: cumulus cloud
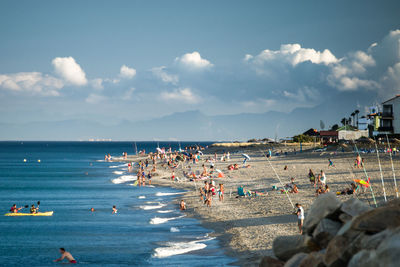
point(293, 54)
point(97, 83)
point(127, 72)
point(34, 83)
point(128, 94)
point(95, 98)
point(160, 73)
point(193, 61)
point(182, 94)
point(69, 70)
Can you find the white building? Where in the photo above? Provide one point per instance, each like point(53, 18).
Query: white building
point(390, 121)
point(363, 123)
point(352, 135)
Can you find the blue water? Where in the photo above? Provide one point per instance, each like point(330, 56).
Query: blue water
point(69, 180)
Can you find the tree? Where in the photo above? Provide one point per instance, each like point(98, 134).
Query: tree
point(334, 127)
point(343, 121)
point(349, 121)
point(357, 112)
point(303, 138)
point(352, 115)
point(322, 124)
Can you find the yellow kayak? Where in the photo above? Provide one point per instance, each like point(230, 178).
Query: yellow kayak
point(48, 213)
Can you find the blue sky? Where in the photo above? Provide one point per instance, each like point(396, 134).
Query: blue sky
point(109, 61)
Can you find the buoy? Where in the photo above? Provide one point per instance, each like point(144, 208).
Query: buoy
point(38, 160)
point(24, 160)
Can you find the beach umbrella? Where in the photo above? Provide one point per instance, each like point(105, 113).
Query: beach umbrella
point(199, 152)
point(160, 150)
point(246, 156)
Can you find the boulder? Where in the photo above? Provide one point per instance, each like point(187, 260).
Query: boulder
point(363, 258)
point(347, 231)
point(325, 231)
point(271, 262)
point(325, 205)
point(354, 207)
point(296, 260)
point(334, 255)
point(314, 259)
point(377, 220)
point(285, 247)
point(373, 241)
point(344, 217)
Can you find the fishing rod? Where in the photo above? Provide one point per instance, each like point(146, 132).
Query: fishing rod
point(380, 169)
point(366, 175)
point(291, 203)
point(394, 175)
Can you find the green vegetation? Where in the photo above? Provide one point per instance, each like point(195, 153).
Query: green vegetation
point(303, 138)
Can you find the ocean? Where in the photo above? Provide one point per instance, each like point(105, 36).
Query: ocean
point(70, 178)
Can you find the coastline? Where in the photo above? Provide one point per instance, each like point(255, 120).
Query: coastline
point(246, 227)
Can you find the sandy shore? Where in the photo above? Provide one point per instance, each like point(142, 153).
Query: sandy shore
point(246, 227)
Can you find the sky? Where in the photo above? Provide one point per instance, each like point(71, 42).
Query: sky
point(114, 61)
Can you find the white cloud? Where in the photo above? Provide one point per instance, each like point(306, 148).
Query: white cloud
point(128, 94)
point(95, 99)
point(127, 72)
point(293, 54)
point(69, 70)
point(194, 61)
point(161, 74)
point(97, 83)
point(34, 83)
point(183, 94)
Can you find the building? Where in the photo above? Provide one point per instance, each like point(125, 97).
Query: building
point(390, 117)
point(329, 136)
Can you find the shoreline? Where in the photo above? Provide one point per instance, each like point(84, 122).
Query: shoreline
point(246, 227)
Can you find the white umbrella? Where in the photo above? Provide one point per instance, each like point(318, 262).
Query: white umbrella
point(246, 156)
point(160, 150)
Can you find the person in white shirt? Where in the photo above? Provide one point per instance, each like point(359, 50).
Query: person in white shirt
point(300, 217)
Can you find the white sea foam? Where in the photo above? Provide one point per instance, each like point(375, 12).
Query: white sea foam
point(152, 207)
point(118, 166)
point(123, 179)
point(141, 197)
point(118, 172)
point(159, 194)
point(165, 211)
point(176, 248)
point(157, 220)
point(174, 230)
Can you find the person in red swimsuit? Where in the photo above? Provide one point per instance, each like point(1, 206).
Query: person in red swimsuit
point(65, 254)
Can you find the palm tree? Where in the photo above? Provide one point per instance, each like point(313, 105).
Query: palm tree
point(357, 112)
point(343, 121)
point(349, 121)
point(352, 115)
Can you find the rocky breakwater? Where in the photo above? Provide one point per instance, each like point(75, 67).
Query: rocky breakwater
point(339, 233)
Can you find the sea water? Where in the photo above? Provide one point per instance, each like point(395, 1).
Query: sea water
point(70, 178)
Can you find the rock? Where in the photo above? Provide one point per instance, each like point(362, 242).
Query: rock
point(323, 206)
point(271, 262)
point(325, 231)
point(354, 207)
point(385, 256)
point(314, 259)
point(347, 231)
point(373, 241)
point(285, 247)
point(335, 251)
point(344, 217)
point(296, 260)
point(363, 258)
point(377, 220)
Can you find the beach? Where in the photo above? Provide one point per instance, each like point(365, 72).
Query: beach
point(247, 226)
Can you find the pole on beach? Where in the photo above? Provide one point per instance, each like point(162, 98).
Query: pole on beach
point(391, 160)
point(366, 175)
point(291, 203)
point(380, 169)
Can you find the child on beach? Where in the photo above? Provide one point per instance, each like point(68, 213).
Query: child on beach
point(331, 163)
point(300, 217)
point(221, 192)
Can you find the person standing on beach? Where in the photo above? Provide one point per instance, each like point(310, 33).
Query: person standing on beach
point(300, 217)
point(221, 192)
point(65, 254)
